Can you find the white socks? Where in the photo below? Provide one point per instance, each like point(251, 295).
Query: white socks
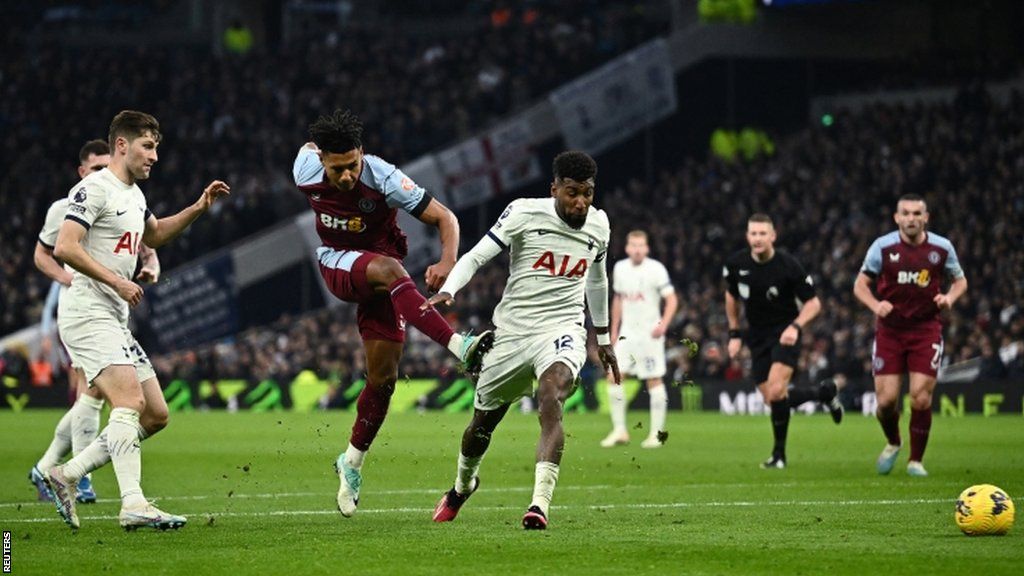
point(468, 468)
point(85, 422)
point(94, 456)
point(455, 345)
point(545, 478)
point(123, 443)
point(354, 457)
point(59, 446)
point(617, 398)
point(659, 405)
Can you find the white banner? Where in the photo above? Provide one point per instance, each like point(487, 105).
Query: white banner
point(610, 104)
point(515, 162)
point(467, 173)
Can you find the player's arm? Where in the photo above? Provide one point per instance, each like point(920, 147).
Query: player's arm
point(956, 290)
point(870, 270)
point(732, 314)
point(49, 310)
point(150, 271)
point(47, 264)
point(439, 216)
point(160, 231)
point(484, 251)
point(597, 302)
point(671, 305)
point(616, 317)
point(959, 284)
point(862, 290)
point(69, 249)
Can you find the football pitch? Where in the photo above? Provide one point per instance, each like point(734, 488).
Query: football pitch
point(259, 491)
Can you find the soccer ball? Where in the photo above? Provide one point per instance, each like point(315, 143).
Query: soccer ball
point(984, 510)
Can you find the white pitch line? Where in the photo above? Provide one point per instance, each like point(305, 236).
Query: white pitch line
point(429, 491)
point(637, 506)
point(274, 495)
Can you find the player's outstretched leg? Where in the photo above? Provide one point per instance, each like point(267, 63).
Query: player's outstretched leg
point(475, 441)
point(385, 272)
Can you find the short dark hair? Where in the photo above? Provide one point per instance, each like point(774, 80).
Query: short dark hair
point(761, 217)
point(130, 124)
point(93, 148)
point(337, 132)
point(574, 164)
point(911, 197)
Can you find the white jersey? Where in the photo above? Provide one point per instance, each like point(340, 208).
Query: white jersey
point(114, 215)
point(640, 289)
point(51, 226)
point(548, 265)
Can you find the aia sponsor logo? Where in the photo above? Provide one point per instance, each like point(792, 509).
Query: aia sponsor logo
point(561, 267)
point(356, 224)
point(129, 242)
point(921, 277)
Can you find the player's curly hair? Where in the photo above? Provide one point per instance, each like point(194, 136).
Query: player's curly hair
point(337, 132)
point(574, 164)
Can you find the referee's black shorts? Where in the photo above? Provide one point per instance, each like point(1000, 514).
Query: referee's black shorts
point(765, 350)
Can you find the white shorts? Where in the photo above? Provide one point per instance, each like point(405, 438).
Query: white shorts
point(516, 360)
point(641, 356)
point(100, 341)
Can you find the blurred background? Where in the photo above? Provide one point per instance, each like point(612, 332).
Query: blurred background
point(699, 113)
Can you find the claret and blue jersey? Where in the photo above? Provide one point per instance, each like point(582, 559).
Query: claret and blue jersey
point(366, 217)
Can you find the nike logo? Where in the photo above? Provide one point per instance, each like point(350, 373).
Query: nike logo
point(744, 272)
point(122, 212)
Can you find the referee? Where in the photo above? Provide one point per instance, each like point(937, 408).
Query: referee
point(779, 299)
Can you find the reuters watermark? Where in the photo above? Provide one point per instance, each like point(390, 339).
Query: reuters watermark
point(7, 552)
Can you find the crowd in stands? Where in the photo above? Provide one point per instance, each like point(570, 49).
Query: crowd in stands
point(241, 118)
point(831, 191)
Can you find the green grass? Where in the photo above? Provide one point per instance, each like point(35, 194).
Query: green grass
point(259, 493)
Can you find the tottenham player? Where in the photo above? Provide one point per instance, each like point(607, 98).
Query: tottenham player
point(638, 330)
point(81, 423)
point(908, 266)
point(107, 220)
point(557, 247)
point(356, 197)
point(772, 285)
